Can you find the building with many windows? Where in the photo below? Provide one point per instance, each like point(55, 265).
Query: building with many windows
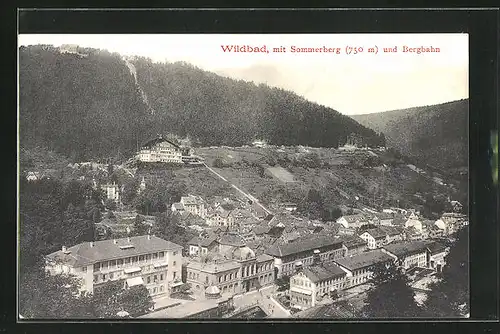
point(233, 270)
point(360, 268)
point(409, 254)
point(147, 260)
point(160, 150)
point(312, 283)
point(302, 252)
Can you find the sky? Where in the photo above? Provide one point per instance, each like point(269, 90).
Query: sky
point(352, 84)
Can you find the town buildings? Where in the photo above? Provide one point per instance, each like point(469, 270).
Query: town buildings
point(409, 254)
point(380, 236)
point(353, 221)
point(437, 255)
point(146, 260)
point(112, 192)
point(235, 269)
point(310, 284)
point(354, 245)
point(160, 150)
point(360, 268)
point(191, 204)
point(301, 252)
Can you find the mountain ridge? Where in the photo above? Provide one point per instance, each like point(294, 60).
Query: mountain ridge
point(436, 134)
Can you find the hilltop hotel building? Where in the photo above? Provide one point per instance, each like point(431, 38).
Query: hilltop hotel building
point(147, 260)
point(160, 150)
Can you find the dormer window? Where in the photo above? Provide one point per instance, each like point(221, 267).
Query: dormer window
point(126, 246)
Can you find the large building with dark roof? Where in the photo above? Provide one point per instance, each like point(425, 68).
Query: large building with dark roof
point(160, 150)
point(147, 260)
point(409, 254)
point(312, 283)
point(359, 268)
point(301, 251)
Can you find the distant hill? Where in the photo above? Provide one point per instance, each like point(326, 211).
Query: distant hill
point(436, 135)
point(92, 104)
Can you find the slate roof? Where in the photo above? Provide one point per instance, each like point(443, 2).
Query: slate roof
point(261, 229)
point(231, 239)
point(303, 245)
point(353, 241)
point(323, 272)
point(383, 231)
point(158, 140)
point(364, 260)
point(329, 311)
point(407, 248)
point(436, 247)
point(354, 218)
point(82, 254)
point(204, 242)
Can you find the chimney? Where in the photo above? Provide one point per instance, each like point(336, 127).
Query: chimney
point(149, 236)
point(91, 244)
point(128, 239)
point(316, 258)
point(114, 241)
point(63, 248)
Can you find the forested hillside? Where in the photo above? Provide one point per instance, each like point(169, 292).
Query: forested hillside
point(436, 135)
point(87, 106)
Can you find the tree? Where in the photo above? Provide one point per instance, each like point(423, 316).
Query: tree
point(42, 296)
point(391, 296)
point(110, 204)
point(112, 298)
point(449, 297)
point(139, 227)
point(218, 163)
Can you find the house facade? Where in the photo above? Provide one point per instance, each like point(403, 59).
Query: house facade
point(409, 254)
point(309, 285)
point(381, 236)
point(192, 204)
point(360, 268)
point(302, 251)
point(239, 271)
point(145, 260)
point(160, 150)
point(112, 192)
point(353, 221)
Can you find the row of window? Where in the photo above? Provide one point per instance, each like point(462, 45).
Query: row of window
point(330, 282)
point(126, 261)
point(155, 279)
point(154, 290)
point(301, 300)
point(105, 277)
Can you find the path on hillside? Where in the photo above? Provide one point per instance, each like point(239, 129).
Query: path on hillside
point(250, 197)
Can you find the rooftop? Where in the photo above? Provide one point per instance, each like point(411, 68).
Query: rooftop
point(303, 245)
point(158, 140)
point(353, 241)
point(323, 272)
point(232, 239)
point(364, 260)
point(407, 248)
point(212, 267)
point(203, 241)
point(84, 254)
point(330, 311)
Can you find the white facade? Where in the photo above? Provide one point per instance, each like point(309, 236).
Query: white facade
point(156, 270)
point(112, 192)
point(161, 151)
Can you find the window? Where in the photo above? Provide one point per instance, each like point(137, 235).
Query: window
point(197, 276)
point(126, 261)
point(148, 257)
point(104, 265)
point(149, 279)
point(175, 274)
point(154, 290)
point(97, 266)
point(104, 277)
point(206, 279)
point(161, 277)
point(174, 254)
point(155, 278)
point(220, 279)
point(230, 276)
point(174, 263)
point(155, 256)
point(111, 276)
point(112, 264)
point(96, 278)
point(84, 269)
point(162, 254)
point(119, 263)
